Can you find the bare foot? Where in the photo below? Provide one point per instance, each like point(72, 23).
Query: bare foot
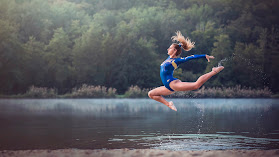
point(171, 106)
point(217, 69)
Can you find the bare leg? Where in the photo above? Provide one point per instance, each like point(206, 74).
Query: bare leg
point(177, 85)
point(157, 93)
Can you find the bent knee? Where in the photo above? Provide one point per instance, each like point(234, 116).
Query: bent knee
point(150, 95)
point(197, 86)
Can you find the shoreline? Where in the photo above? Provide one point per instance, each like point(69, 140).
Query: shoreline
point(89, 91)
point(140, 98)
point(138, 153)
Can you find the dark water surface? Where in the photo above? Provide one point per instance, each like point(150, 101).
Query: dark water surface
point(199, 124)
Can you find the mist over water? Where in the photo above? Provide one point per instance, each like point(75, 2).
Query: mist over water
point(199, 124)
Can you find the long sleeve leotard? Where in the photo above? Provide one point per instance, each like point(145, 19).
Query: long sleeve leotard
point(170, 64)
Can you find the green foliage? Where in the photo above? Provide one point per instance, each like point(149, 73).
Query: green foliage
point(67, 43)
point(248, 63)
point(205, 38)
point(89, 91)
point(225, 92)
point(40, 92)
point(59, 60)
point(136, 92)
point(35, 62)
point(11, 56)
point(187, 76)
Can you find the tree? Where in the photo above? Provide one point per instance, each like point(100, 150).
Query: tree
point(222, 51)
point(35, 69)
point(11, 59)
point(59, 60)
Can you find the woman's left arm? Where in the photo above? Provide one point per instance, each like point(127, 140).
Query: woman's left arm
point(183, 60)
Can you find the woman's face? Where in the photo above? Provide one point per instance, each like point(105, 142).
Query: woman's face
point(171, 50)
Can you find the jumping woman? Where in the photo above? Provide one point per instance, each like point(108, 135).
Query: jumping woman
point(172, 84)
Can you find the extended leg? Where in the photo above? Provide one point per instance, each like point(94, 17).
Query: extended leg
point(177, 85)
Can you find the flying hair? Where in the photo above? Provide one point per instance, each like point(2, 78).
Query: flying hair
point(187, 45)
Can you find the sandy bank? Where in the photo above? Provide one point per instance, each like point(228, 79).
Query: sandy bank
point(138, 153)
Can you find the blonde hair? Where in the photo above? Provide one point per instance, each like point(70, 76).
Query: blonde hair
point(187, 45)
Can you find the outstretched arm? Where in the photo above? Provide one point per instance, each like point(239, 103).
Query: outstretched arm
point(195, 57)
point(182, 60)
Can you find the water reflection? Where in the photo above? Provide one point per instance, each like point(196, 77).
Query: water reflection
point(139, 123)
point(199, 141)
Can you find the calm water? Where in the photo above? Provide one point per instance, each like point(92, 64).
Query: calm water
point(199, 124)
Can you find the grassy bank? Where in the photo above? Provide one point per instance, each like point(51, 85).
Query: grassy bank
point(225, 92)
point(89, 91)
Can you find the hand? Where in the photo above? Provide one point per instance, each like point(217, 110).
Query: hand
point(209, 57)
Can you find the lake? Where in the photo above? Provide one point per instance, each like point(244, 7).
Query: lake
point(199, 124)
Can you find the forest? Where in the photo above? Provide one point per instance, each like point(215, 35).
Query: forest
point(64, 44)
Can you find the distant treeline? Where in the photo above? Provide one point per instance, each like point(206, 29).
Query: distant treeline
point(116, 44)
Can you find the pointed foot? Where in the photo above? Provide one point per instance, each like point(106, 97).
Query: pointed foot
point(171, 106)
point(217, 69)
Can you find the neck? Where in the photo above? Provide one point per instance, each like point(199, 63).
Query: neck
point(173, 56)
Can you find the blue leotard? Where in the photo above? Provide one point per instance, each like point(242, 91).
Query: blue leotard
point(170, 64)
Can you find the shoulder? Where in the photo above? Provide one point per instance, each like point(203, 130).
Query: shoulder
point(168, 60)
